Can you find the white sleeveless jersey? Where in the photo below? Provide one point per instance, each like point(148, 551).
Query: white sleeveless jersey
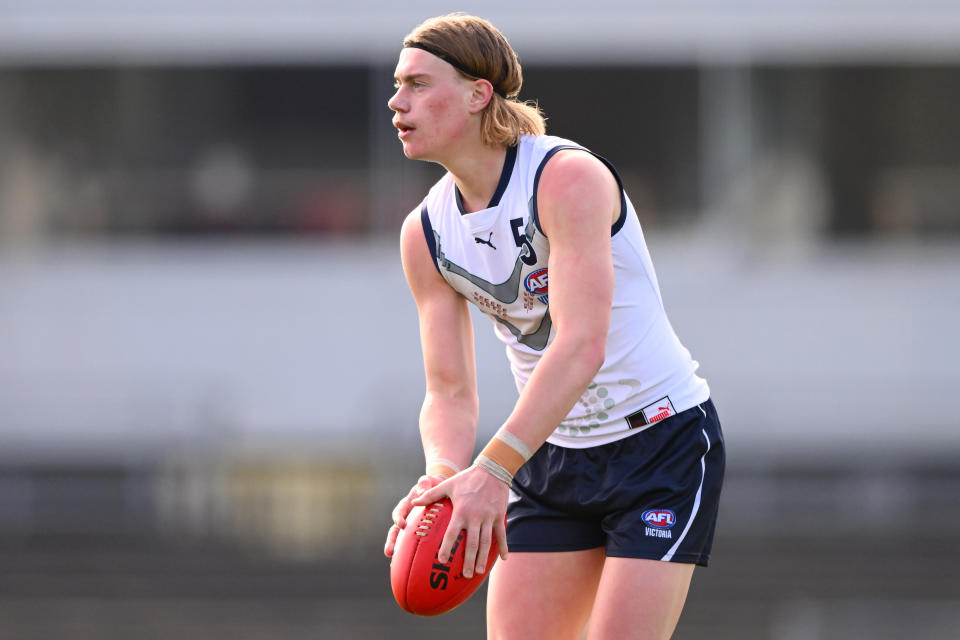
point(497, 258)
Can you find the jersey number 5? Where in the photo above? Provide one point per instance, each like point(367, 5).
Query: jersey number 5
point(530, 258)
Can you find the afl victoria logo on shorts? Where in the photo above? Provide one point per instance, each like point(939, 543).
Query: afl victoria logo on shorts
point(659, 522)
point(536, 284)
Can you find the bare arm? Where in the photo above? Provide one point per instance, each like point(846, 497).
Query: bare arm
point(578, 201)
point(448, 417)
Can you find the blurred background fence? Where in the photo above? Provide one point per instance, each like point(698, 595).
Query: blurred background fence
point(209, 363)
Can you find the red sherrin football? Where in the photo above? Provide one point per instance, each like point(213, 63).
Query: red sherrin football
point(420, 583)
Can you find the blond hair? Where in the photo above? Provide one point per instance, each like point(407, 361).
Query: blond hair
point(478, 50)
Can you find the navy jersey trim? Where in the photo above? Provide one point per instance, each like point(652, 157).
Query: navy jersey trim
point(428, 235)
point(505, 173)
point(508, 162)
point(621, 219)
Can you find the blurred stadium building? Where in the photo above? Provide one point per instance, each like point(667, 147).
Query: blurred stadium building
point(209, 367)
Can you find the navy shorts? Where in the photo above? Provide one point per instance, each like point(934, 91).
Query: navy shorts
point(651, 495)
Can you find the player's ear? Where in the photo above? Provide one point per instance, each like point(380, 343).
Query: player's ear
point(481, 95)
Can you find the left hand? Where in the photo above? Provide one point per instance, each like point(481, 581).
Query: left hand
point(479, 506)
point(403, 508)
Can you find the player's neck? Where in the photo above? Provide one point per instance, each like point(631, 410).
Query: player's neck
point(477, 175)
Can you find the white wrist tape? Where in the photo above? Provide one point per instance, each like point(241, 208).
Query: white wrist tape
point(495, 469)
point(515, 442)
point(442, 467)
point(504, 455)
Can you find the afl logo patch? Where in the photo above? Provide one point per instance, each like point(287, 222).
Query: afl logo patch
point(536, 282)
point(659, 518)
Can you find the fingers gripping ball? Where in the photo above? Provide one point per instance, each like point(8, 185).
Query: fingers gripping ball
point(421, 584)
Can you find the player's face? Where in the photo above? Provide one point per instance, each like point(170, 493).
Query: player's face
point(431, 106)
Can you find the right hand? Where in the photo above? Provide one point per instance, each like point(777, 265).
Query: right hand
point(403, 509)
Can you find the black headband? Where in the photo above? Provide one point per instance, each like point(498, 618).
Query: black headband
point(456, 65)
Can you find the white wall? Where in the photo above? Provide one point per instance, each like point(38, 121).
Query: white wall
point(130, 350)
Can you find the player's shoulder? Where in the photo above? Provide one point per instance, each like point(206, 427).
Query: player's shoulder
point(541, 152)
point(543, 147)
point(572, 178)
point(439, 193)
point(417, 250)
point(428, 211)
point(569, 169)
point(411, 223)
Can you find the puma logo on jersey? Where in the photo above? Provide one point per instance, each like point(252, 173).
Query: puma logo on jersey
point(659, 410)
point(488, 241)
